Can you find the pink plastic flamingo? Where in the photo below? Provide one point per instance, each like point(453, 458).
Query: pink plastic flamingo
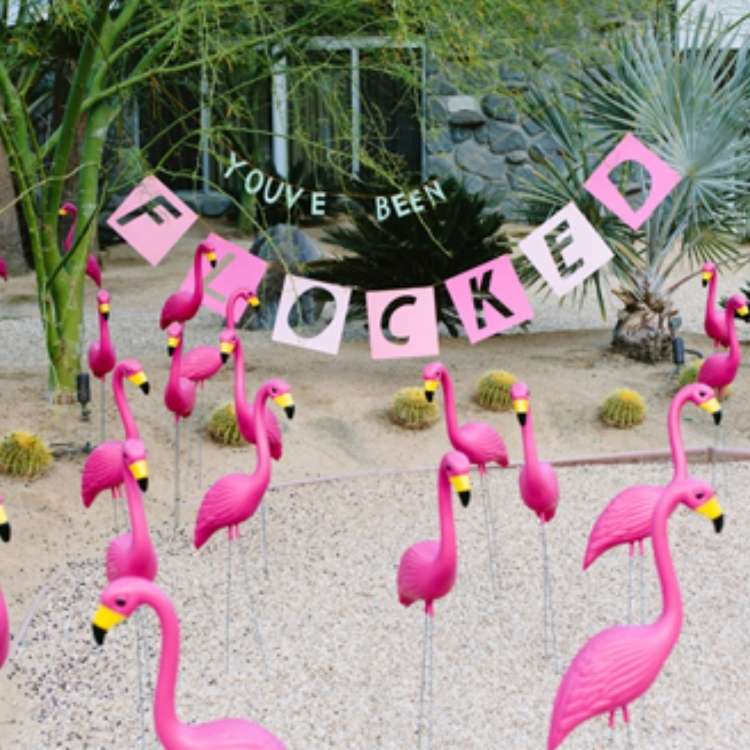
point(713, 323)
point(619, 664)
point(537, 481)
point(118, 601)
point(4, 620)
point(133, 553)
point(427, 570)
point(103, 468)
point(480, 443)
point(627, 517)
point(231, 344)
point(3, 269)
point(720, 369)
point(181, 307)
point(179, 398)
point(102, 356)
point(93, 269)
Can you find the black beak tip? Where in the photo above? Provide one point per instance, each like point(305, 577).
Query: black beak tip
point(105, 316)
point(99, 634)
point(429, 395)
point(143, 484)
point(170, 351)
point(289, 411)
point(719, 523)
point(521, 419)
point(224, 358)
point(5, 532)
point(464, 497)
point(717, 417)
point(704, 282)
point(145, 387)
point(213, 263)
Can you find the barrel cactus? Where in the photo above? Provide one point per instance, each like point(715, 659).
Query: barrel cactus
point(493, 390)
point(623, 409)
point(23, 454)
point(223, 428)
point(412, 410)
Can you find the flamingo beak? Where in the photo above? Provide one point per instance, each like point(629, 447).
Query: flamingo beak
point(4, 525)
point(225, 349)
point(139, 378)
point(743, 312)
point(139, 470)
point(104, 310)
point(286, 402)
point(713, 407)
point(430, 386)
point(253, 300)
point(172, 343)
point(521, 408)
point(713, 512)
point(211, 256)
point(62, 212)
point(707, 275)
point(103, 621)
point(462, 485)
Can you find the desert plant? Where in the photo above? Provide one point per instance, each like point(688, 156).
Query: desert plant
point(420, 249)
point(493, 390)
point(689, 107)
point(689, 373)
point(412, 410)
point(623, 409)
point(23, 454)
point(223, 428)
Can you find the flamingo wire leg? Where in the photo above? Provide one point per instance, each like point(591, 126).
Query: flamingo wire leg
point(642, 584)
point(176, 476)
point(490, 536)
point(630, 586)
point(264, 537)
point(228, 618)
point(140, 657)
point(253, 611)
point(423, 683)
point(103, 409)
point(430, 627)
point(550, 628)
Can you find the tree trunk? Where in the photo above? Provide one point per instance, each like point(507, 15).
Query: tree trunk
point(11, 242)
point(643, 335)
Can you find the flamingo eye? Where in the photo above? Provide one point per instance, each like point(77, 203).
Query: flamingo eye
point(120, 602)
point(701, 495)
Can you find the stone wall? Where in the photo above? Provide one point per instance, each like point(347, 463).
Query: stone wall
point(486, 142)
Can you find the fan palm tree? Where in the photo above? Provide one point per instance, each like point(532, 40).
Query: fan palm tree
point(687, 98)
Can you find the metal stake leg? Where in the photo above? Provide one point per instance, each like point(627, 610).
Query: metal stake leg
point(490, 536)
point(229, 603)
point(423, 683)
point(103, 409)
point(176, 476)
point(264, 537)
point(254, 614)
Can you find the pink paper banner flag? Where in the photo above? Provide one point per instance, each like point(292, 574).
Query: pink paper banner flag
point(663, 181)
point(151, 219)
point(235, 268)
point(566, 249)
point(489, 298)
point(402, 323)
point(329, 339)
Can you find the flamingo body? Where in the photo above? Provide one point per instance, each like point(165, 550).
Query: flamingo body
point(226, 734)
point(201, 363)
point(180, 393)
point(101, 354)
point(539, 489)
point(121, 562)
point(720, 369)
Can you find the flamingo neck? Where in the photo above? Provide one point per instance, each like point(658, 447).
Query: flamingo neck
point(447, 554)
point(197, 278)
point(176, 367)
point(530, 455)
point(734, 346)
point(449, 396)
point(104, 339)
point(262, 448)
point(165, 715)
point(240, 399)
point(121, 400)
point(70, 236)
point(231, 304)
point(674, 427)
point(712, 287)
point(139, 534)
point(671, 615)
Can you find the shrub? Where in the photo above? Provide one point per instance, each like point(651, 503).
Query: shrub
point(412, 410)
point(623, 409)
point(493, 390)
point(689, 373)
point(223, 428)
point(23, 454)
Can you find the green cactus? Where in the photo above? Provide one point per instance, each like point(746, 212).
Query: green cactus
point(412, 410)
point(23, 454)
point(689, 373)
point(493, 390)
point(223, 428)
point(623, 409)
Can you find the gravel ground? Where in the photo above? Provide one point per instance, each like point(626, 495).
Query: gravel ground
point(344, 656)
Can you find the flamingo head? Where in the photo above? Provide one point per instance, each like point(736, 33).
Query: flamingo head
point(738, 303)
point(117, 602)
point(68, 209)
point(281, 393)
point(707, 272)
point(456, 467)
point(702, 395)
point(4, 524)
point(102, 301)
point(519, 395)
point(134, 456)
point(432, 375)
point(174, 338)
point(227, 344)
point(209, 252)
point(700, 497)
point(3, 269)
point(134, 373)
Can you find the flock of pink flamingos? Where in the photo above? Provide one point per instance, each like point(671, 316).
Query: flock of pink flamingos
point(613, 668)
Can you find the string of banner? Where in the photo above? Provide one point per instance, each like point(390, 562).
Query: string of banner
point(489, 298)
